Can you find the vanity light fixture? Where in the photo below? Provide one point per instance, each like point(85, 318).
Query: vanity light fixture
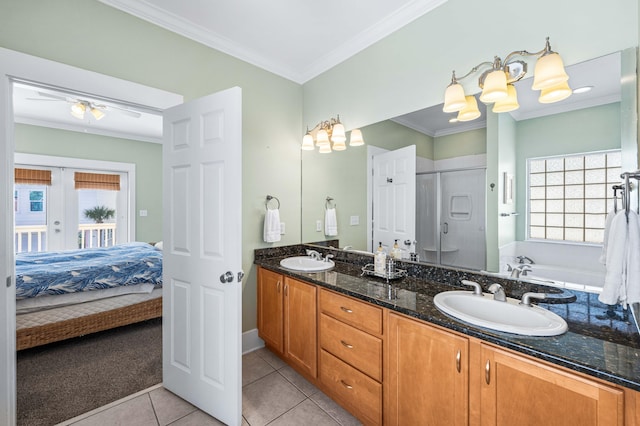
point(497, 83)
point(327, 132)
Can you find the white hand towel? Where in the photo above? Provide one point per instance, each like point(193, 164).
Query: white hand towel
point(607, 226)
point(616, 259)
point(272, 226)
point(330, 222)
point(632, 287)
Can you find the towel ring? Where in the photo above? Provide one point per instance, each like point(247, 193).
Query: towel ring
point(327, 203)
point(269, 198)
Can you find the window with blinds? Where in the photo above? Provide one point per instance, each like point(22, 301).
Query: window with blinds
point(569, 196)
point(102, 181)
point(32, 176)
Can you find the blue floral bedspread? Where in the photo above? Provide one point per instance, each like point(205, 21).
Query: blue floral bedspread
point(47, 273)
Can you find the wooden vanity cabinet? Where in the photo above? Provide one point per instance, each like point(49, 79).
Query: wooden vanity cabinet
point(518, 390)
point(287, 319)
point(426, 375)
point(350, 340)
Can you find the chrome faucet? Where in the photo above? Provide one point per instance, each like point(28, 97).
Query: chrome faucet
point(328, 257)
point(521, 259)
point(517, 271)
point(498, 292)
point(314, 255)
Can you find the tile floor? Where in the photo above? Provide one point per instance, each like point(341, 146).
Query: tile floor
point(272, 394)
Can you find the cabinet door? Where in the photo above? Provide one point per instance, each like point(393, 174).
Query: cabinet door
point(300, 322)
point(427, 378)
point(270, 309)
point(517, 390)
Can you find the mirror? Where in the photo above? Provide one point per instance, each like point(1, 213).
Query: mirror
point(441, 145)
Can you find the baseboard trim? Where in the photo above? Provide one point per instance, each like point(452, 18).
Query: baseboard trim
point(251, 341)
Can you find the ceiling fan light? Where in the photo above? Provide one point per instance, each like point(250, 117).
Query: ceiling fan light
point(549, 71)
point(454, 99)
point(97, 114)
point(510, 103)
point(77, 110)
point(495, 87)
point(356, 138)
point(470, 111)
point(555, 93)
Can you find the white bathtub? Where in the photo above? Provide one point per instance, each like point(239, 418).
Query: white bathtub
point(558, 276)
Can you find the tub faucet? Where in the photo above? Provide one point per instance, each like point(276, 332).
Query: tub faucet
point(498, 292)
point(521, 259)
point(519, 270)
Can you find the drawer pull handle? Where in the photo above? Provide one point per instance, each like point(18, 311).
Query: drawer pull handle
point(487, 372)
point(458, 357)
point(346, 385)
point(347, 310)
point(346, 345)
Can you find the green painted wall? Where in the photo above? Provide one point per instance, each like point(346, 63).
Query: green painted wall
point(90, 35)
point(590, 129)
point(472, 142)
point(146, 156)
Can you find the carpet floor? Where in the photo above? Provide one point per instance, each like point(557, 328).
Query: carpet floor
point(62, 380)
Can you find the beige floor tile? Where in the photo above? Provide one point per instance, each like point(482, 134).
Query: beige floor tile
point(197, 418)
point(298, 381)
point(341, 415)
point(254, 368)
point(305, 413)
point(137, 411)
point(169, 407)
point(271, 358)
point(268, 398)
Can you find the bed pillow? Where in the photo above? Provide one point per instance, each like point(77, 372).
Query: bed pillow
point(158, 245)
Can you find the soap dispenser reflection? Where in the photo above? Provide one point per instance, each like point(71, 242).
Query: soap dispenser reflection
point(380, 260)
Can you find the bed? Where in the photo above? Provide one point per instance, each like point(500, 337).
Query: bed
point(60, 295)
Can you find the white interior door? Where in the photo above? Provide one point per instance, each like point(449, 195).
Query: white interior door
point(202, 258)
point(394, 197)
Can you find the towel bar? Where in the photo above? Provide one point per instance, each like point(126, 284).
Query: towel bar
point(327, 203)
point(269, 198)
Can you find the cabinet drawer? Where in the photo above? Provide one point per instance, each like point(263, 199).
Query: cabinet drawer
point(358, 314)
point(357, 348)
point(360, 394)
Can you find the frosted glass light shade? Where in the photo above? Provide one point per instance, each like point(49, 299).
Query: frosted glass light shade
point(495, 87)
point(356, 138)
point(97, 114)
point(510, 103)
point(325, 148)
point(555, 93)
point(77, 110)
point(307, 142)
point(322, 138)
point(339, 146)
point(470, 111)
point(454, 98)
point(549, 71)
point(338, 135)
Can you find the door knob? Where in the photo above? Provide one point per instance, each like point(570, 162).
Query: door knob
point(227, 277)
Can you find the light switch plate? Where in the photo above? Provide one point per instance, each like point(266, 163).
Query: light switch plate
point(143, 213)
point(318, 225)
point(281, 228)
point(354, 220)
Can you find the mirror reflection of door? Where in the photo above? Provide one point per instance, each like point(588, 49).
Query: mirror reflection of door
point(394, 202)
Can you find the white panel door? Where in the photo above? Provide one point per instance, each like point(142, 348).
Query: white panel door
point(394, 197)
point(202, 257)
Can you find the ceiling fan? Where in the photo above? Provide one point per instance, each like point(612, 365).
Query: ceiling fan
point(79, 107)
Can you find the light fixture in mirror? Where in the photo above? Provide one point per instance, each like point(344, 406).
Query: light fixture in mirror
point(327, 132)
point(497, 82)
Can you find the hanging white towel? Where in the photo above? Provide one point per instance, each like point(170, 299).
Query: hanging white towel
point(607, 226)
point(272, 226)
point(615, 260)
point(632, 285)
point(330, 222)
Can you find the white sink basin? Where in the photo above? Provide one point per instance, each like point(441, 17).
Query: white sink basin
point(509, 316)
point(306, 264)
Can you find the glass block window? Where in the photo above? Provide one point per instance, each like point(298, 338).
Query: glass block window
point(569, 196)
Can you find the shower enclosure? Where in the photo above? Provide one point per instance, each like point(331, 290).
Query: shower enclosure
point(450, 218)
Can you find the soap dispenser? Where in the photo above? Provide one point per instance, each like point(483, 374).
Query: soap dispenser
point(396, 253)
point(380, 261)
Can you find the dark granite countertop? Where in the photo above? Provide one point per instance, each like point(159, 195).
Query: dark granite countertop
point(601, 341)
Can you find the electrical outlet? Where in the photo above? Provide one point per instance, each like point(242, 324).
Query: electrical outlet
point(318, 225)
point(354, 220)
point(281, 228)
